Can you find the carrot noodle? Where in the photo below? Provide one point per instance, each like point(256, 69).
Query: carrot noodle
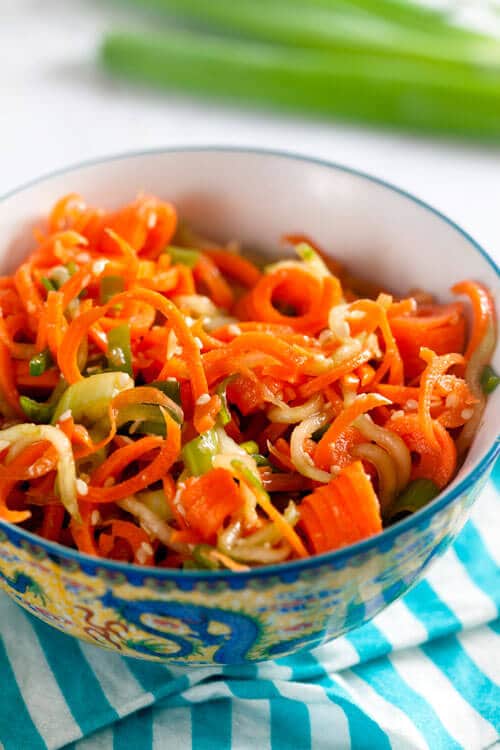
point(164, 401)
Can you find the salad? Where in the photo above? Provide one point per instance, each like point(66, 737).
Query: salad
point(167, 402)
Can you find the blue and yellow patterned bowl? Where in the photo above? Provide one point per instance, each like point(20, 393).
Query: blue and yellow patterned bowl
point(206, 618)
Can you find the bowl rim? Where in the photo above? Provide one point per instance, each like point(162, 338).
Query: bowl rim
point(293, 567)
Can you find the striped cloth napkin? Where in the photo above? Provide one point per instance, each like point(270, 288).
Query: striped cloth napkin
point(424, 674)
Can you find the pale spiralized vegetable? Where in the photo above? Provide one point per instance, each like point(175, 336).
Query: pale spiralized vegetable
point(197, 305)
point(229, 450)
point(25, 434)
point(337, 322)
point(480, 357)
point(391, 443)
point(386, 471)
point(151, 523)
point(293, 414)
point(302, 460)
point(311, 262)
point(259, 546)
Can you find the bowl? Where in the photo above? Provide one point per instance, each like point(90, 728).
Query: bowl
point(220, 617)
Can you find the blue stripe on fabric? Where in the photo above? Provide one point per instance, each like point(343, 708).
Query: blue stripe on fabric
point(285, 735)
point(157, 679)
point(77, 681)
point(369, 642)
point(290, 725)
point(472, 684)
point(211, 725)
point(432, 612)
point(16, 726)
point(495, 626)
point(473, 554)
point(362, 728)
point(384, 678)
point(135, 732)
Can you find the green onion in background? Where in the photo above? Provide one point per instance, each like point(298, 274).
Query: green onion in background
point(428, 96)
point(385, 29)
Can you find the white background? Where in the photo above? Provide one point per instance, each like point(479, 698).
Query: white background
point(57, 108)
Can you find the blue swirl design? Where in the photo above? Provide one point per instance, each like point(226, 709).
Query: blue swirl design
point(234, 645)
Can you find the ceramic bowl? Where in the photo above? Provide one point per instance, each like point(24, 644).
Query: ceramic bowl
point(206, 618)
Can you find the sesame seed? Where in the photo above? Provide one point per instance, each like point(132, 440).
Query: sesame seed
point(99, 266)
point(134, 426)
point(233, 329)
point(189, 320)
point(398, 414)
point(412, 404)
point(203, 399)
point(66, 415)
point(171, 380)
point(147, 548)
point(198, 342)
point(467, 413)
point(82, 258)
point(95, 518)
point(356, 314)
point(334, 469)
point(178, 351)
point(82, 487)
point(325, 336)
point(152, 218)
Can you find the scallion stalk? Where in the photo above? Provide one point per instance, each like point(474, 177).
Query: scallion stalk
point(420, 96)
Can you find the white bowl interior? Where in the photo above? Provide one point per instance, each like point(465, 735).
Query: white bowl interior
point(379, 232)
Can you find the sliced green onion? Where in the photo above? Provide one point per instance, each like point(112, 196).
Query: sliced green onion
point(203, 558)
point(318, 434)
point(261, 460)
point(119, 351)
point(40, 362)
point(88, 399)
point(48, 284)
point(72, 267)
point(415, 495)
point(250, 446)
point(183, 255)
point(489, 380)
point(109, 286)
point(224, 413)
point(199, 453)
point(156, 501)
point(35, 411)
point(146, 419)
point(170, 388)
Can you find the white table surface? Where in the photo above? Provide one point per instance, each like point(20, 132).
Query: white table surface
point(57, 108)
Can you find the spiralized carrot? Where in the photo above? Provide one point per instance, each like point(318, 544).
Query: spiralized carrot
point(165, 401)
point(361, 405)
